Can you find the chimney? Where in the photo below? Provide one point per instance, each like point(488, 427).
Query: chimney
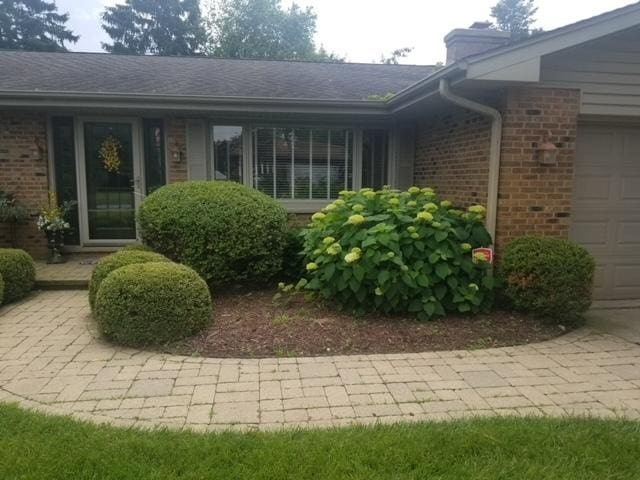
point(478, 38)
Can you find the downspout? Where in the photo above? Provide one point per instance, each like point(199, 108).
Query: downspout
point(494, 152)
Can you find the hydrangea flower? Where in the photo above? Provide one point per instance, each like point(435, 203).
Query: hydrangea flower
point(412, 203)
point(477, 209)
point(339, 202)
point(330, 207)
point(415, 236)
point(334, 249)
point(394, 202)
point(430, 207)
point(312, 266)
point(414, 190)
point(318, 216)
point(346, 193)
point(412, 229)
point(358, 207)
point(428, 191)
point(328, 240)
point(351, 257)
point(355, 219)
point(446, 204)
point(466, 247)
point(425, 216)
point(369, 195)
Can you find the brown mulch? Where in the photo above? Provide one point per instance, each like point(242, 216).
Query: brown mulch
point(251, 324)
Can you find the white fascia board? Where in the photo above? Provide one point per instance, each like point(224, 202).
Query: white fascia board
point(526, 71)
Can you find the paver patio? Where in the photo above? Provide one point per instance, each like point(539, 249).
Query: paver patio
point(51, 360)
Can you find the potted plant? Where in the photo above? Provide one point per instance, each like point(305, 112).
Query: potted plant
point(11, 214)
point(53, 223)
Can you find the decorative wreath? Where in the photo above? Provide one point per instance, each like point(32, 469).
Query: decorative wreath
point(110, 154)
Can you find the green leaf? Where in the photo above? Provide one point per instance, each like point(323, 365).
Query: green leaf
point(328, 272)
point(358, 272)
point(443, 270)
point(434, 257)
point(429, 309)
point(383, 276)
point(464, 307)
point(422, 280)
point(441, 236)
point(416, 305)
point(452, 282)
point(480, 235)
point(440, 291)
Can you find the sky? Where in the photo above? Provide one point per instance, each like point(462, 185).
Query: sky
point(364, 30)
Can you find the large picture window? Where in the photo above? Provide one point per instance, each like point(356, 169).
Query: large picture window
point(302, 163)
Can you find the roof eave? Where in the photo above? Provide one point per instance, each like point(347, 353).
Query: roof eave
point(193, 103)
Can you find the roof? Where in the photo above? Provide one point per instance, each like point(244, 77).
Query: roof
point(101, 73)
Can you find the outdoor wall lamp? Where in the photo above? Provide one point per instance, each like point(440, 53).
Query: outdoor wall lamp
point(547, 153)
point(177, 154)
point(37, 149)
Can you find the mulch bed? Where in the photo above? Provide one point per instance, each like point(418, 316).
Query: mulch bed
point(251, 324)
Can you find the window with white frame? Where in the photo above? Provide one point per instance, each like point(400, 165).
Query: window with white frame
point(302, 163)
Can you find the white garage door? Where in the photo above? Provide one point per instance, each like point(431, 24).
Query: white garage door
point(606, 206)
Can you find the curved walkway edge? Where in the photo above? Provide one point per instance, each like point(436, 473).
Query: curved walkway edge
point(52, 362)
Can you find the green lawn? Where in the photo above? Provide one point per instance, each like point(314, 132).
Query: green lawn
point(34, 446)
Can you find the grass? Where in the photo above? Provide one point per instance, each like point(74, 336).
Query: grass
point(34, 446)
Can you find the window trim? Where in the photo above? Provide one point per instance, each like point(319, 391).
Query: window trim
point(300, 205)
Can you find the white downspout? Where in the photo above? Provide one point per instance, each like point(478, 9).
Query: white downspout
point(494, 152)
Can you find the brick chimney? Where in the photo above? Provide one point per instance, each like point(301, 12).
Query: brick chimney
point(478, 38)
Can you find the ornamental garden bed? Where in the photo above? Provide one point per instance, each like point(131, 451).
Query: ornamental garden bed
point(250, 324)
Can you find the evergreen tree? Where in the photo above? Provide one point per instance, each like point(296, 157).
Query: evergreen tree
point(33, 25)
point(167, 27)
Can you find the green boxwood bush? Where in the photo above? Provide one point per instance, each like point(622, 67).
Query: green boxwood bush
point(108, 264)
point(152, 303)
point(549, 277)
point(225, 231)
point(137, 247)
point(18, 272)
point(392, 251)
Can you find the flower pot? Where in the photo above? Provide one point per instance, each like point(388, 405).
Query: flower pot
point(55, 244)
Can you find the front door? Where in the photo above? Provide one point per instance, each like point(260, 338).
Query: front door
point(110, 169)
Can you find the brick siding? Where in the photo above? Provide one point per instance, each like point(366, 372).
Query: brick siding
point(452, 156)
point(23, 172)
point(176, 141)
point(536, 199)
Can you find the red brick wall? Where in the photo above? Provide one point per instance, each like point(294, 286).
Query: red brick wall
point(176, 141)
point(23, 172)
point(452, 156)
point(536, 199)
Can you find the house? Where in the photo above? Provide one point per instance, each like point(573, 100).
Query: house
point(545, 132)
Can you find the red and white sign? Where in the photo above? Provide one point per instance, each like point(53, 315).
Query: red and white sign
point(487, 253)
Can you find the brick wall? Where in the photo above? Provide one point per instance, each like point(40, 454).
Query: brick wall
point(176, 141)
point(452, 156)
point(23, 172)
point(533, 198)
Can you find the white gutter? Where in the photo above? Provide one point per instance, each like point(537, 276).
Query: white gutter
point(494, 152)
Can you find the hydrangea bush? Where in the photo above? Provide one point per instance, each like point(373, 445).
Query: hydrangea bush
point(398, 252)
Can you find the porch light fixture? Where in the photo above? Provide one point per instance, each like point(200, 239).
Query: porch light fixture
point(177, 154)
point(547, 153)
point(37, 149)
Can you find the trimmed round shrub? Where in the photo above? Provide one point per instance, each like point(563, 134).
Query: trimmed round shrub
point(152, 303)
point(1, 289)
point(137, 247)
point(398, 252)
point(108, 264)
point(225, 231)
point(18, 272)
point(547, 276)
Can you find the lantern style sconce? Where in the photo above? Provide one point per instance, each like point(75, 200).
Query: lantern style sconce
point(547, 153)
point(37, 149)
point(177, 154)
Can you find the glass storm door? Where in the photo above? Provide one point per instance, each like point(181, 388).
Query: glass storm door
point(111, 170)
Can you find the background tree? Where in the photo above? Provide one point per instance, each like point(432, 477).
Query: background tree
point(167, 27)
point(396, 55)
point(516, 17)
point(263, 29)
point(33, 25)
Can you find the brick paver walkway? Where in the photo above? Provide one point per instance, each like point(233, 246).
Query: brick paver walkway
point(51, 360)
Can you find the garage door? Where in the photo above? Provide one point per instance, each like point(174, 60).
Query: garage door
point(606, 206)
